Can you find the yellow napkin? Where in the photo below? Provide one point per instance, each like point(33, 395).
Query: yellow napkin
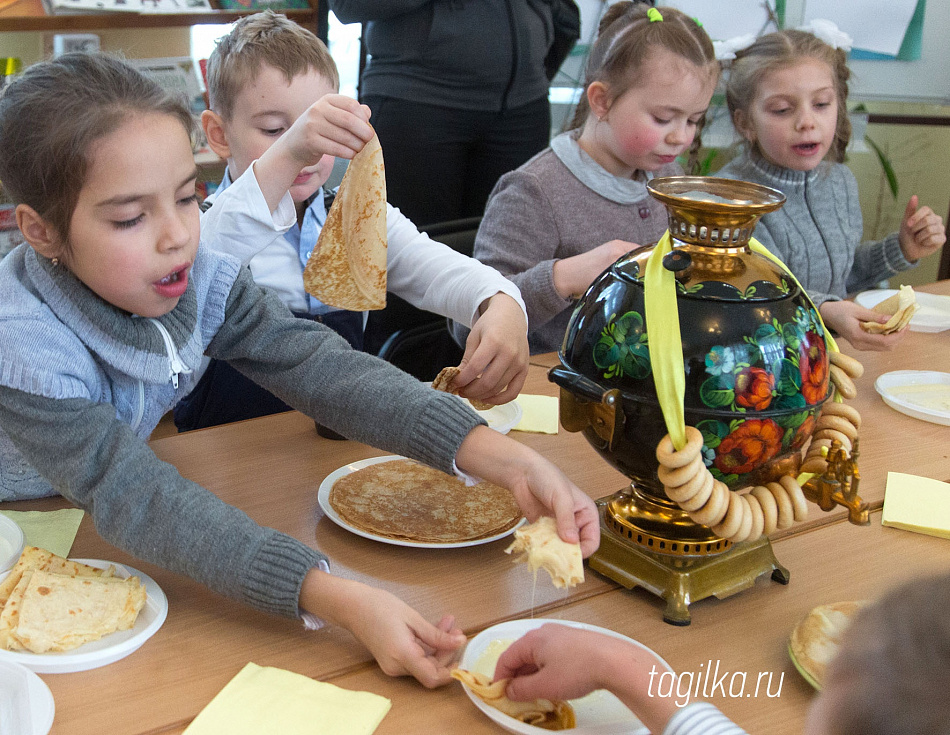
point(917, 504)
point(263, 699)
point(53, 530)
point(539, 414)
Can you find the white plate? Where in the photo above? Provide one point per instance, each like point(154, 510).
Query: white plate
point(599, 713)
point(899, 388)
point(323, 498)
point(12, 542)
point(933, 315)
point(110, 648)
point(26, 703)
point(501, 418)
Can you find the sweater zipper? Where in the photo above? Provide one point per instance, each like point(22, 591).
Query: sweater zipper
point(176, 366)
point(141, 411)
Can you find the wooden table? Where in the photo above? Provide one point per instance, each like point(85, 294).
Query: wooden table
point(272, 467)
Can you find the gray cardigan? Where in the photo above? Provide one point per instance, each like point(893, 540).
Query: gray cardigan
point(82, 384)
point(817, 233)
point(559, 204)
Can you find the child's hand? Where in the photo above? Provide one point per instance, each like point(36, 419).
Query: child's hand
point(401, 640)
point(334, 125)
point(922, 231)
point(537, 485)
point(845, 318)
point(552, 662)
point(561, 662)
point(495, 363)
point(572, 276)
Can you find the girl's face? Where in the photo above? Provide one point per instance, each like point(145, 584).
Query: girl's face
point(134, 232)
point(650, 124)
point(793, 116)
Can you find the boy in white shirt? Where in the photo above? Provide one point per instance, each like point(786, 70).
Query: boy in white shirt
point(277, 120)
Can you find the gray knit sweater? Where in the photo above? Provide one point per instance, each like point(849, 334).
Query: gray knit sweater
point(82, 384)
point(817, 233)
point(559, 204)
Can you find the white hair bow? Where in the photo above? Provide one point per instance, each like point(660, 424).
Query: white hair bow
point(827, 31)
point(726, 50)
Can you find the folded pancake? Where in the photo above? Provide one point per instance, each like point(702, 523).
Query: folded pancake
point(901, 306)
point(403, 499)
point(347, 268)
point(815, 640)
point(544, 713)
point(33, 558)
point(55, 612)
point(445, 382)
point(539, 545)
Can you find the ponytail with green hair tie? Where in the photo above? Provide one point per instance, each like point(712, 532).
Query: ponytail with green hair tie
point(654, 15)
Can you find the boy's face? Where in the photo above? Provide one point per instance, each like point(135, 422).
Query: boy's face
point(263, 111)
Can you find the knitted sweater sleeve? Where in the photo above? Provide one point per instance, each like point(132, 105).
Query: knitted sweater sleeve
point(144, 506)
point(313, 369)
point(519, 238)
point(873, 260)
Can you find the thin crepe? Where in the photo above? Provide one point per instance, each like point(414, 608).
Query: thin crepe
point(901, 307)
point(544, 713)
point(539, 545)
point(347, 268)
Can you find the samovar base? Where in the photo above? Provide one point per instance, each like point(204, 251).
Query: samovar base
point(680, 580)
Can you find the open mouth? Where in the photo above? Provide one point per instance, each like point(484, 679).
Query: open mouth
point(805, 149)
point(172, 277)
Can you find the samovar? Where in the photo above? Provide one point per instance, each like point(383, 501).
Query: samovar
point(703, 351)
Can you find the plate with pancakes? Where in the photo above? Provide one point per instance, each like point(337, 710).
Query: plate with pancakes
point(932, 314)
point(65, 591)
point(402, 502)
point(597, 713)
point(815, 639)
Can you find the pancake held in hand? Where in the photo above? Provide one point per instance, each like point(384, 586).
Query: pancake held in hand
point(403, 499)
point(539, 545)
point(814, 641)
point(544, 713)
point(901, 306)
point(347, 268)
point(445, 382)
point(54, 612)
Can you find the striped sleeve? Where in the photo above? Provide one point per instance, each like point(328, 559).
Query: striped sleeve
point(701, 718)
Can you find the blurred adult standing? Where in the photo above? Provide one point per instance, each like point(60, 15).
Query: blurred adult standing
point(459, 95)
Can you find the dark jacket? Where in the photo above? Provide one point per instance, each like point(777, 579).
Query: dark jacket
point(465, 54)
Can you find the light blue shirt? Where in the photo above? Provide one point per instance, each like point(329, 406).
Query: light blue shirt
point(303, 237)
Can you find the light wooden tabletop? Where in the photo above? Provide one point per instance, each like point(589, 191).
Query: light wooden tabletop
point(272, 467)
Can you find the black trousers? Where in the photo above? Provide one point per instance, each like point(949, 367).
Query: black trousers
point(224, 395)
point(441, 163)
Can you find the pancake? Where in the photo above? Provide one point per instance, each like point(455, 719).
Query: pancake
point(540, 547)
point(544, 713)
point(33, 558)
point(54, 612)
point(901, 307)
point(814, 641)
point(347, 268)
point(445, 382)
point(403, 499)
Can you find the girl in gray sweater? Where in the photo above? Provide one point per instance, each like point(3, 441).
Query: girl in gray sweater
point(553, 225)
point(787, 95)
point(106, 311)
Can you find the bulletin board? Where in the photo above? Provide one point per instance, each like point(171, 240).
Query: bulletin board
point(924, 79)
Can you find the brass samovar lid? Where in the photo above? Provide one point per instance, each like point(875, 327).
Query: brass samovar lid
point(711, 211)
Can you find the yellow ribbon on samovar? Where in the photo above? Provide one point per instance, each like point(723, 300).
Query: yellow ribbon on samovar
point(665, 340)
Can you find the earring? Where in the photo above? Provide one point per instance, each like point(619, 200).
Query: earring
point(54, 261)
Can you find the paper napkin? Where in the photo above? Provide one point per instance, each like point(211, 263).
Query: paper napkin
point(539, 414)
point(53, 530)
point(264, 699)
point(917, 504)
